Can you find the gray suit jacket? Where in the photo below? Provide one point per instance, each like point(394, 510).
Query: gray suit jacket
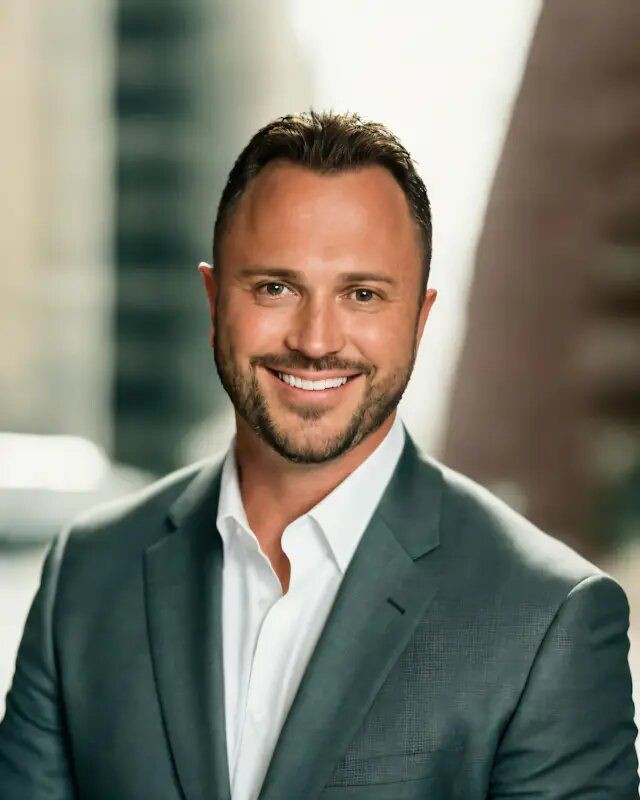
point(468, 655)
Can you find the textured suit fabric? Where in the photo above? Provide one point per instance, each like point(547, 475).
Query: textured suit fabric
point(467, 655)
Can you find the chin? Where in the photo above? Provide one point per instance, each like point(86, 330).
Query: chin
point(322, 443)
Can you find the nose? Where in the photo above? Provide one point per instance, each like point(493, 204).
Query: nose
point(316, 329)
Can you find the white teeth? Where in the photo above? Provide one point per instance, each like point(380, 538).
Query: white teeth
point(312, 386)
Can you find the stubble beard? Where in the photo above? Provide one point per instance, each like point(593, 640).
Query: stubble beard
point(249, 401)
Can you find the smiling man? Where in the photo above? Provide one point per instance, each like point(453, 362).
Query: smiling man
point(324, 611)
point(320, 277)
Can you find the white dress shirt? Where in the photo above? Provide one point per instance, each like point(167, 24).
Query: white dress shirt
point(268, 636)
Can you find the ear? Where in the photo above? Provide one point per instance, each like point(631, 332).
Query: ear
point(210, 280)
point(427, 304)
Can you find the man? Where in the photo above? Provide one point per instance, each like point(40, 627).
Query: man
point(324, 612)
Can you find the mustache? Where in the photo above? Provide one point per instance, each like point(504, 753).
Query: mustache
point(297, 361)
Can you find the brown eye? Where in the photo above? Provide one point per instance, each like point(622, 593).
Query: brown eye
point(364, 294)
point(272, 288)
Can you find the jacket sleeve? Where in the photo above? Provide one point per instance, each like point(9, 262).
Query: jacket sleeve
point(34, 761)
point(572, 734)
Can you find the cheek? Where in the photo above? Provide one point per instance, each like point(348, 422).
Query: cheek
point(255, 329)
point(382, 341)
point(269, 325)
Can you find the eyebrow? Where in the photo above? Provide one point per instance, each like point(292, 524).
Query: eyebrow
point(294, 275)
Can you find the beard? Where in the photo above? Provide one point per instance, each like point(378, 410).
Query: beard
point(244, 390)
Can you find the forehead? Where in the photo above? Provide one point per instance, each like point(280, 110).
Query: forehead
point(290, 213)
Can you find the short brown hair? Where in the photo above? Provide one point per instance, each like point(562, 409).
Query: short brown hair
point(327, 142)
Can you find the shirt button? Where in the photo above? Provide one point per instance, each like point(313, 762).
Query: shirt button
point(258, 714)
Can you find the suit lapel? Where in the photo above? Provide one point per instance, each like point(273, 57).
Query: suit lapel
point(390, 582)
point(183, 580)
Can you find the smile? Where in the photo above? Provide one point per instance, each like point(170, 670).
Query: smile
point(311, 386)
point(323, 388)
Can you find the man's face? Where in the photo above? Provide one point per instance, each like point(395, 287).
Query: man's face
point(319, 278)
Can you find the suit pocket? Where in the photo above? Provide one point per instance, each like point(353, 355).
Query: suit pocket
point(396, 768)
point(418, 789)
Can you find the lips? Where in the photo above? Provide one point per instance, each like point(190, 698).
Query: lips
point(311, 394)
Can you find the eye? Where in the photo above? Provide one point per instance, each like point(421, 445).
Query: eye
point(364, 295)
point(277, 287)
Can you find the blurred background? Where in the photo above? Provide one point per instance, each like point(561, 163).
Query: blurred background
point(121, 120)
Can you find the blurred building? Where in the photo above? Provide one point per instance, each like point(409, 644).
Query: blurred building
point(546, 404)
point(194, 80)
point(120, 123)
point(56, 140)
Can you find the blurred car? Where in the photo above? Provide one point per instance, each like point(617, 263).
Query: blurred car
point(45, 481)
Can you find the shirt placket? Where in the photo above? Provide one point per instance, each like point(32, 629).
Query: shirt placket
point(257, 732)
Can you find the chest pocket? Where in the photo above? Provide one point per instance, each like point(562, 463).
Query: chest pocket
point(396, 776)
point(405, 790)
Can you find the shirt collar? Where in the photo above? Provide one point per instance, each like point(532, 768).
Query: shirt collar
point(231, 511)
point(343, 515)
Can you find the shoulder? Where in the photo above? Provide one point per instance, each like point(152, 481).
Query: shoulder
point(508, 583)
point(499, 552)
point(122, 528)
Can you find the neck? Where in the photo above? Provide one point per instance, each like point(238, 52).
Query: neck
point(275, 491)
